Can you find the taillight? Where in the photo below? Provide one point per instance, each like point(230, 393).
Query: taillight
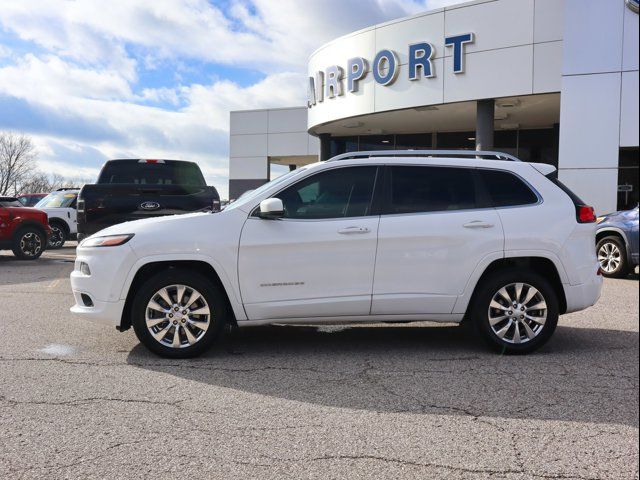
point(585, 214)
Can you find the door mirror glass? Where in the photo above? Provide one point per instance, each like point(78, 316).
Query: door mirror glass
point(271, 208)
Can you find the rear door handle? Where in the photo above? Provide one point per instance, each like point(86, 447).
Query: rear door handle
point(478, 224)
point(350, 230)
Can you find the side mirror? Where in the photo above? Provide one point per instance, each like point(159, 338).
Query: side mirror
point(271, 208)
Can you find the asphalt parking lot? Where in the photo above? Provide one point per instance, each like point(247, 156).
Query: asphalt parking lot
point(81, 400)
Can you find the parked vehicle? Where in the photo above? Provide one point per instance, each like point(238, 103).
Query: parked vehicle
point(141, 188)
point(617, 242)
point(30, 199)
point(363, 237)
point(22, 229)
point(61, 206)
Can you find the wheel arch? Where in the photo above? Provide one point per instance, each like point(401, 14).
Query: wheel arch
point(543, 266)
point(153, 267)
point(61, 222)
point(33, 224)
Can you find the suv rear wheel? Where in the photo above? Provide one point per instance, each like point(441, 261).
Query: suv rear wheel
point(28, 243)
point(178, 313)
point(515, 311)
point(58, 235)
point(612, 256)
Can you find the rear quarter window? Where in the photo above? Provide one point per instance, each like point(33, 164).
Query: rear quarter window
point(506, 189)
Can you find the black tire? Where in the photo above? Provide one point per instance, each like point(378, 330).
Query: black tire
point(59, 235)
point(613, 244)
point(215, 300)
point(29, 243)
point(480, 311)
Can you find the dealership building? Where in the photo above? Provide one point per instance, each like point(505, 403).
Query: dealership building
point(546, 80)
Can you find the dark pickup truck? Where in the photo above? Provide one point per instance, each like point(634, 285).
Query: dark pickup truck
point(142, 188)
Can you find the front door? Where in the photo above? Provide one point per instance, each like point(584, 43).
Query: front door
point(433, 233)
point(318, 260)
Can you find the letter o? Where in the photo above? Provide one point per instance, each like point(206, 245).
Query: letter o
point(389, 58)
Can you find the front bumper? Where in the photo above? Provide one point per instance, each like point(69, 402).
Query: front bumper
point(100, 294)
point(107, 313)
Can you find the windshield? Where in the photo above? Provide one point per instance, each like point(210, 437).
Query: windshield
point(250, 195)
point(57, 199)
point(169, 172)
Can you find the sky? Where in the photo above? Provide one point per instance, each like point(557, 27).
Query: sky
point(90, 80)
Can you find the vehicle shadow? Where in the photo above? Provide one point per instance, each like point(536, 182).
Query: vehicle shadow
point(582, 375)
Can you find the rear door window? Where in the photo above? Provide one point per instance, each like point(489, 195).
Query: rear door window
point(430, 189)
point(506, 189)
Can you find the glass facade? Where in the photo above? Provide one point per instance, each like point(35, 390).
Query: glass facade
point(533, 145)
point(628, 170)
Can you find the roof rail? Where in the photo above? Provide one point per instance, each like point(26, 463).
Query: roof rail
point(426, 153)
point(62, 189)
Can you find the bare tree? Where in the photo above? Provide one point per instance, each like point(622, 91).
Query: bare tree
point(17, 160)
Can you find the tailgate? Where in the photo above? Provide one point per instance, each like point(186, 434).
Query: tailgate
point(101, 206)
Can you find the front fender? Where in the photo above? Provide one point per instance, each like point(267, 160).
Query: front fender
point(229, 286)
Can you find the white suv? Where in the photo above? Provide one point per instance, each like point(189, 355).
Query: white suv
point(61, 208)
point(445, 236)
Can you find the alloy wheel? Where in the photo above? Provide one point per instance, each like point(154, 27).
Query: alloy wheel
point(177, 316)
point(30, 244)
point(517, 313)
point(609, 257)
point(57, 237)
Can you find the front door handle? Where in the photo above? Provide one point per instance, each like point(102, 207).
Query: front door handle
point(350, 230)
point(478, 224)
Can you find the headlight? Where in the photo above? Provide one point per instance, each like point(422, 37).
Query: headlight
point(107, 241)
point(600, 219)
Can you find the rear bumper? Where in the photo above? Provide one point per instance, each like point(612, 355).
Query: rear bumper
point(583, 295)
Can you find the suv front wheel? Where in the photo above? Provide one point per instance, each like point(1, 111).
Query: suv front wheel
point(515, 311)
point(178, 313)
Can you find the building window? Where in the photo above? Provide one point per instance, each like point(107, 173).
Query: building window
point(456, 140)
point(339, 145)
point(628, 170)
point(414, 140)
point(376, 142)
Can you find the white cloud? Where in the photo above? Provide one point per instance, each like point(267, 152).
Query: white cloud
point(78, 90)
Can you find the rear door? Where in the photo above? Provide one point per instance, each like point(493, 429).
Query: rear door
point(436, 227)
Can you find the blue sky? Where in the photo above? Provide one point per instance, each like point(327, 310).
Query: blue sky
point(90, 80)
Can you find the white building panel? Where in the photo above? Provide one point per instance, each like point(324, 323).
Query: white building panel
point(514, 17)
point(313, 145)
point(286, 120)
point(405, 93)
point(597, 187)
point(283, 144)
point(495, 73)
point(358, 44)
point(629, 110)
point(425, 28)
point(593, 36)
point(248, 168)
point(248, 121)
point(548, 20)
point(547, 65)
point(589, 121)
point(248, 145)
point(630, 45)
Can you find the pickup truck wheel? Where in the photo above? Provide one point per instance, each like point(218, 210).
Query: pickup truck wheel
point(178, 313)
point(516, 311)
point(28, 243)
point(58, 236)
point(612, 256)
